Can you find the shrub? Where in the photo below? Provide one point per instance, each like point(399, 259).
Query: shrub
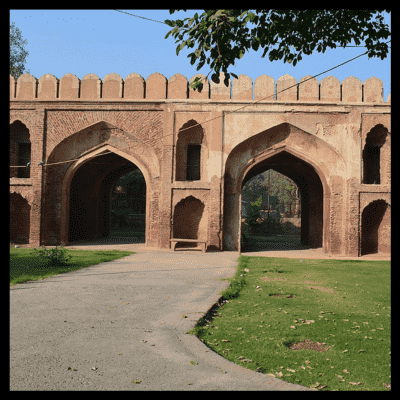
point(56, 256)
point(253, 213)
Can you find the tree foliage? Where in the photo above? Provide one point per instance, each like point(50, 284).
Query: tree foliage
point(283, 34)
point(18, 53)
point(282, 190)
point(134, 186)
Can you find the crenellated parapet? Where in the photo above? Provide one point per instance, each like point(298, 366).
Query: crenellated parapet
point(158, 87)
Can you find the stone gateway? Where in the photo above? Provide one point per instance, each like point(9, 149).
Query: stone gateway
point(196, 151)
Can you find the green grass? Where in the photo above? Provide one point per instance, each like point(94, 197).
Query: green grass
point(25, 267)
point(348, 308)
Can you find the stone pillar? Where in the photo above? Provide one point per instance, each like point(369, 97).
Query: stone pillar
point(231, 221)
point(166, 177)
point(215, 173)
point(37, 155)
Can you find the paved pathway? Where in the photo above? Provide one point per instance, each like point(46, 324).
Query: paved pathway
point(96, 320)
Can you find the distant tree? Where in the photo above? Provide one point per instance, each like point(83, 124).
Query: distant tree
point(294, 32)
point(18, 53)
point(283, 192)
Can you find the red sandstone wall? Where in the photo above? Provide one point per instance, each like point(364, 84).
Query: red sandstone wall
point(157, 87)
point(140, 117)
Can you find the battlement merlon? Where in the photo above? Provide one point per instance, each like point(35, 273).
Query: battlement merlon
point(158, 87)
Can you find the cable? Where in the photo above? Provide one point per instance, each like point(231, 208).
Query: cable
point(181, 130)
point(141, 17)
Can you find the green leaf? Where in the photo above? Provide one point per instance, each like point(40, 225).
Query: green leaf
point(251, 16)
point(201, 63)
point(179, 48)
point(255, 46)
point(166, 36)
point(265, 52)
point(234, 75)
point(215, 78)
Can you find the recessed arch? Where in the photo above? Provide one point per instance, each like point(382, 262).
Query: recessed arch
point(375, 228)
point(72, 170)
point(20, 214)
point(375, 155)
point(191, 139)
point(20, 149)
point(190, 219)
point(248, 159)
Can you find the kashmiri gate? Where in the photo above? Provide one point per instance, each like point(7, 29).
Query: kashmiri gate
point(196, 152)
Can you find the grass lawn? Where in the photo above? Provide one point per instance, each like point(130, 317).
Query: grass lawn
point(25, 267)
point(342, 306)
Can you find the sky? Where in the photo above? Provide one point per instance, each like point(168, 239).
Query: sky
point(104, 41)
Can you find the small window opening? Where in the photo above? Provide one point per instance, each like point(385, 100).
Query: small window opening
point(24, 156)
point(193, 162)
point(372, 165)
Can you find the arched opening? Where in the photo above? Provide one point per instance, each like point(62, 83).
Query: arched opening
point(20, 150)
point(375, 228)
point(189, 221)
point(372, 155)
point(299, 223)
point(276, 222)
point(20, 219)
point(190, 153)
point(128, 207)
point(96, 208)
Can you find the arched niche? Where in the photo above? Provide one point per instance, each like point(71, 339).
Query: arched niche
point(190, 219)
point(20, 150)
point(375, 228)
point(376, 156)
point(20, 217)
point(191, 153)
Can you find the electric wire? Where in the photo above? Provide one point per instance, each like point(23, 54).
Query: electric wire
point(181, 130)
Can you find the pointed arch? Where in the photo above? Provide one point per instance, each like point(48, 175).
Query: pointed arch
point(191, 153)
point(20, 217)
point(317, 159)
point(190, 219)
point(20, 149)
point(375, 228)
point(375, 155)
point(71, 171)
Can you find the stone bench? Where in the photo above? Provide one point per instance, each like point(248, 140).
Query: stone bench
point(175, 241)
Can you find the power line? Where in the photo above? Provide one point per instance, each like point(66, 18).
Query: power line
point(141, 17)
point(181, 130)
point(138, 16)
point(273, 94)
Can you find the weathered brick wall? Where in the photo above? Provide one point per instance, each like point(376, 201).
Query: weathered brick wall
point(324, 125)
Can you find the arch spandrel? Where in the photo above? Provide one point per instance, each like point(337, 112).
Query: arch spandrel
point(141, 164)
point(284, 137)
point(102, 134)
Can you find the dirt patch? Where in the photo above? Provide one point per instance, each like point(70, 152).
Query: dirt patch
point(309, 345)
point(324, 289)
